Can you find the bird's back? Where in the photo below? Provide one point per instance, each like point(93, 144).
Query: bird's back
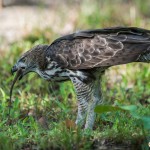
point(101, 47)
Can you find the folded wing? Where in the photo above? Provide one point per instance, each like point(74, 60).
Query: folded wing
point(103, 47)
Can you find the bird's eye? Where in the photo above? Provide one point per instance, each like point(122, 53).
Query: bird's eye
point(23, 68)
point(23, 60)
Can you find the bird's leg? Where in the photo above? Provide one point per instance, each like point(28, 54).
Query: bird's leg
point(84, 94)
point(81, 113)
point(95, 100)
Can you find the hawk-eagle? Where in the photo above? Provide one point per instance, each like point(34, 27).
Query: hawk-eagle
point(82, 57)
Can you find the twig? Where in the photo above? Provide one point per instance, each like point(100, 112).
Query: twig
point(18, 74)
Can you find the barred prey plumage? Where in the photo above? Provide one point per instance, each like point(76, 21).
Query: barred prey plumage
point(82, 57)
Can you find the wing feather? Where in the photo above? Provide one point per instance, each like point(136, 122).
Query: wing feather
point(96, 48)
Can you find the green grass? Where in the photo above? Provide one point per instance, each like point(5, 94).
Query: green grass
point(43, 114)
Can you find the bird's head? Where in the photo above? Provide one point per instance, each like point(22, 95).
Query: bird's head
point(31, 60)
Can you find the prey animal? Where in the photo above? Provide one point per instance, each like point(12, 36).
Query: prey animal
point(82, 57)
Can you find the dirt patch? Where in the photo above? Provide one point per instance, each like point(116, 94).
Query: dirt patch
point(19, 21)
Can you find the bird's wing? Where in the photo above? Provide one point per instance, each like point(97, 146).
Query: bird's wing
point(102, 47)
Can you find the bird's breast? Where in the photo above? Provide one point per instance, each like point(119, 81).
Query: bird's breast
point(55, 74)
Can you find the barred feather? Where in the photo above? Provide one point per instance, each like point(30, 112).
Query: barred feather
point(103, 47)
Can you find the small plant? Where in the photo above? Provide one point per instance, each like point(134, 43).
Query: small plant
point(142, 121)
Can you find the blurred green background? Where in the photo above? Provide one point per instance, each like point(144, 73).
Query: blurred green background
point(43, 113)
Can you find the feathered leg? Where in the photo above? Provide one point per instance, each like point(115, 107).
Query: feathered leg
point(89, 95)
point(84, 95)
point(95, 100)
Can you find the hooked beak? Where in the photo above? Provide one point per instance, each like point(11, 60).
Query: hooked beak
point(14, 69)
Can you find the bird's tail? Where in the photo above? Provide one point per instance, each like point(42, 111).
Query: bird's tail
point(145, 57)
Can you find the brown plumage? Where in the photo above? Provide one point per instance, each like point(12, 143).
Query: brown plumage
point(102, 47)
point(83, 57)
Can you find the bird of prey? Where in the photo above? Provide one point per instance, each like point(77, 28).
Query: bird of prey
point(82, 57)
